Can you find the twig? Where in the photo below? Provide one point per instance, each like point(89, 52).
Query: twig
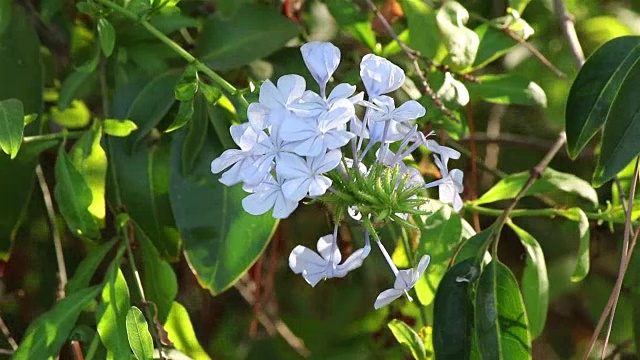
point(412, 55)
point(55, 232)
point(7, 334)
point(569, 30)
point(272, 326)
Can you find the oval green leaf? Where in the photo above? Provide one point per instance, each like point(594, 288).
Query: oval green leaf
point(595, 88)
point(84, 272)
point(240, 39)
point(453, 312)
point(409, 338)
point(535, 281)
point(582, 263)
point(502, 328)
point(74, 197)
point(508, 89)
point(140, 339)
point(112, 315)
point(221, 240)
point(181, 333)
point(46, 335)
point(107, 35)
point(11, 126)
point(119, 128)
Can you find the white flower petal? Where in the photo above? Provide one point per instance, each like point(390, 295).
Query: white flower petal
point(297, 188)
point(226, 159)
point(341, 91)
point(326, 162)
point(303, 258)
point(379, 75)
point(457, 176)
point(322, 59)
point(291, 166)
point(404, 280)
point(410, 110)
point(283, 207)
point(319, 185)
point(387, 297)
point(337, 138)
point(457, 203)
point(269, 95)
point(329, 250)
point(258, 115)
point(422, 265)
point(259, 202)
point(291, 88)
point(446, 192)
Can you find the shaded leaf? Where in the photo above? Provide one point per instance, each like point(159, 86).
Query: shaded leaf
point(187, 85)
point(423, 28)
point(240, 39)
point(475, 247)
point(119, 128)
point(74, 86)
point(181, 333)
point(501, 322)
point(409, 338)
point(551, 180)
point(46, 335)
point(138, 333)
point(595, 88)
point(84, 272)
point(519, 5)
point(535, 282)
point(159, 280)
point(107, 35)
point(73, 196)
point(185, 112)
point(508, 89)
point(453, 312)
point(112, 315)
point(11, 126)
point(582, 264)
point(197, 130)
point(221, 240)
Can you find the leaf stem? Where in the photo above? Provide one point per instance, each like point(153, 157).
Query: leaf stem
point(412, 263)
point(549, 212)
point(221, 82)
point(53, 136)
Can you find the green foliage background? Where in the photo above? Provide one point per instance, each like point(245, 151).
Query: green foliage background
point(106, 103)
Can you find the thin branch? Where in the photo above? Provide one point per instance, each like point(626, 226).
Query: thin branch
point(413, 55)
point(272, 326)
point(7, 334)
point(569, 30)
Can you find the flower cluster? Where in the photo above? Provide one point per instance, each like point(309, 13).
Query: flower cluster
point(294, 144)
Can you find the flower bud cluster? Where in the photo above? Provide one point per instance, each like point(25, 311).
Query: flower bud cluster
point(294, 144)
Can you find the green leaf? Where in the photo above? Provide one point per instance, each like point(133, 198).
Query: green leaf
point(519, 5)
point(181, 333)
point(152, 104)
point(240, 39)
point(409, 338)
point(185, 112)
point(221, 240)
point(73, 196)
point(597, 86)
point(141, 178)
point(351, 19)
point(620, 143)
point(11, 126)
point(159, 280)
point(119, 128)
point(423, 28)
point(582, 264)
point(5, 15)
point(501, 322)
point(551, 180)
point(453, 312)
point(91, 64)
point(76, 116)
point(138, 334)
point(84, 272)
point(112, 315)
point(475, 247)
point(508, 89)
point(197, 130)
point(211, 93)
point(107, 35)
point(74, 86)
point(90, 160)
point(187, 85)
point(221, 119)
point(494, 43)
point(440, 236)
point(535, 282)
point(46, 335)
point(461, 42)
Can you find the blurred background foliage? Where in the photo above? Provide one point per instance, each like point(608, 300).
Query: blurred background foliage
point(249, 41)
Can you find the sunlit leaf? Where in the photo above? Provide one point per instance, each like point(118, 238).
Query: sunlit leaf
point(46, 335)
point(423, 28)
point(138, 333)
point(409, 338)
point(221, 240)
point(551, 180)
point(181, 333)
point(74, 197)
point(240, 39)
point(501, 323)
point(119, 128)
point(11, 126)
point(461, 42)
point(112, 315)
point(508, 89)
point(535, 282)
point(494, 43)
point(90, 160)
point(187, 86)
